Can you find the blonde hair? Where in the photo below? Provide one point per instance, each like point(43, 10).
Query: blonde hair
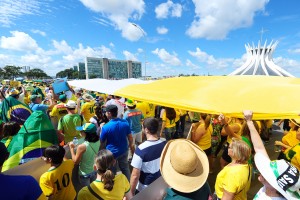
point(104, 161)
point(241, 151)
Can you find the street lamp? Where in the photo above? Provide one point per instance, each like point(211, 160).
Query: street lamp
point(144, 34)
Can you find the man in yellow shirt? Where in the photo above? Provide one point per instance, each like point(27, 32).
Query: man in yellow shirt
point(88, 108)
point(56, 183)
point(59, 110)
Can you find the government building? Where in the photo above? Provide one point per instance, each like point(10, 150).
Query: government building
point(110, 68)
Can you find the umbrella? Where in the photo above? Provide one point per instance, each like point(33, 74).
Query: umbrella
point(269, 97)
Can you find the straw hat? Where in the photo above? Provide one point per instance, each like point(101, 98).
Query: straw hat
point(283, 176)
point(87, 97)
point(183, 165)
point(296, 122)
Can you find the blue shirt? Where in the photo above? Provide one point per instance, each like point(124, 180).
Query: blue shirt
point(19, 187)
point(134, 117)
point(115, 133)
point(146, 158)
point(42, 107)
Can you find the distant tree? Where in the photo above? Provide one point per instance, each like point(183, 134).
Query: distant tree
point(11, 71)
point(36, 73)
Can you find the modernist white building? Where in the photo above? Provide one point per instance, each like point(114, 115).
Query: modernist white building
point(260, 62)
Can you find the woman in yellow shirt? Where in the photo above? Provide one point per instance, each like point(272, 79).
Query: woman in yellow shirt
point(169, 118)
point(202, 136)
point(233, 181)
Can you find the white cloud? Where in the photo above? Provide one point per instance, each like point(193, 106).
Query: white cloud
point(191, 65)
point(35, 60)
point(296, 51)
point(169, 8)
point(119, 13)
point(166, 57)
point(202, 56)
point(129, 56)
point(13, 10)
point(42, 33)
point(62, 47)
point(111, 45)
point(162, 30)
point(215, 19)
point(19, 41)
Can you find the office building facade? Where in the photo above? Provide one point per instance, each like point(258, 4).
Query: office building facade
point(111, 68)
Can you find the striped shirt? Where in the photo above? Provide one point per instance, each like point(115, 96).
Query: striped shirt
point(146, 158)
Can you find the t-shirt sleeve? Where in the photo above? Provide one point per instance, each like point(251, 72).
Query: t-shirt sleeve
point(53, 111)
point(60, 126)
point(46, 186)
point(103, 134)
point(83, 194)
point(126, 184)
point(43, 107)
point(137, 159)
point(229, 184)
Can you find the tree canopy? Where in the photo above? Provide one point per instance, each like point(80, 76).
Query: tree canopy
point(70, 73)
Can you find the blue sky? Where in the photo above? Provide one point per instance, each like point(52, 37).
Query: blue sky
point(198, 36)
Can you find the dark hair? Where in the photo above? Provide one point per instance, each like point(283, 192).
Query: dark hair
point(56, 153)
point(206, 118)
point(11, 129)
point(151, 124)
point(170, 113)
point(3, 153)
point(101, 117)
point(70, 108)
point(91, 137)
point(113, 109)
point(104, 161)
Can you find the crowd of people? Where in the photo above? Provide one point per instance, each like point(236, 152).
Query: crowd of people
point(110, 147)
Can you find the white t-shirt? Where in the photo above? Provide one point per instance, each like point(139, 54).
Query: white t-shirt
point(261, 195)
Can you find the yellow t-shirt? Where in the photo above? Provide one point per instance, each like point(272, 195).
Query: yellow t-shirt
point(144, 107)
point(169, 123)
point(59, 111)
point(58, 181)
point(229, 139)
point(293, 155)
point(88, 110)
point(121, 187)
point(234, 179)
point(151, 112)
point(290, 138)
point(205, 141)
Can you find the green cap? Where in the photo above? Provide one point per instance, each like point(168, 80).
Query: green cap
point(87, 128)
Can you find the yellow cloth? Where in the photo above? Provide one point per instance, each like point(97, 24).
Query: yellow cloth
point(121, 187)
point(58, 181)
point(59, 111)
point(234, 179)
point(88, 110)
point(144, 107)
point(205, 141)
point(229, 95)
point(229, 139)
point(293, 155)
point(290, 138)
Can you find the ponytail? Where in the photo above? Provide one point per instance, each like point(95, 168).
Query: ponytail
point(108, 180)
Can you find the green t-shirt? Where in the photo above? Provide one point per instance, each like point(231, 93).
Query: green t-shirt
point(67, 125)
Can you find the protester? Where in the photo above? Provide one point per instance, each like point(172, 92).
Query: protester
point(67, 124)
point(85, 153)
point(38, 104)
point(88, 107)
point(215, 137)
point(56, 183)
point(145, 161)
point(233, 181)
point(10, 129)
point(59, 110)
point(186, 175)
point(117, 101)
point(202, 136)
point(115, 135)
point(134, 118)
point(99, 119)
point(17, 187)
point(168, 127)
point(279, 177)
point(38, 91)
point(107, 185)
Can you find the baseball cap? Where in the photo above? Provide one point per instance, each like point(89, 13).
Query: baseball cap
point(130, 103)
point(111, 108)
point(71, 104)
point(87, 128)
point(62, 97)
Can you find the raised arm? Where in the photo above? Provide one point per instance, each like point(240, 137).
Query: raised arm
point(255, 138)
point(230, 130)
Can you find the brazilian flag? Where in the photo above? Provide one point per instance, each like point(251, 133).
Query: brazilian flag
point(36, 134)
point(13, 110)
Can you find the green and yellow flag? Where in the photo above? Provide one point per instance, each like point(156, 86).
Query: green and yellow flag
point(13, 110)
point(36, 134)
